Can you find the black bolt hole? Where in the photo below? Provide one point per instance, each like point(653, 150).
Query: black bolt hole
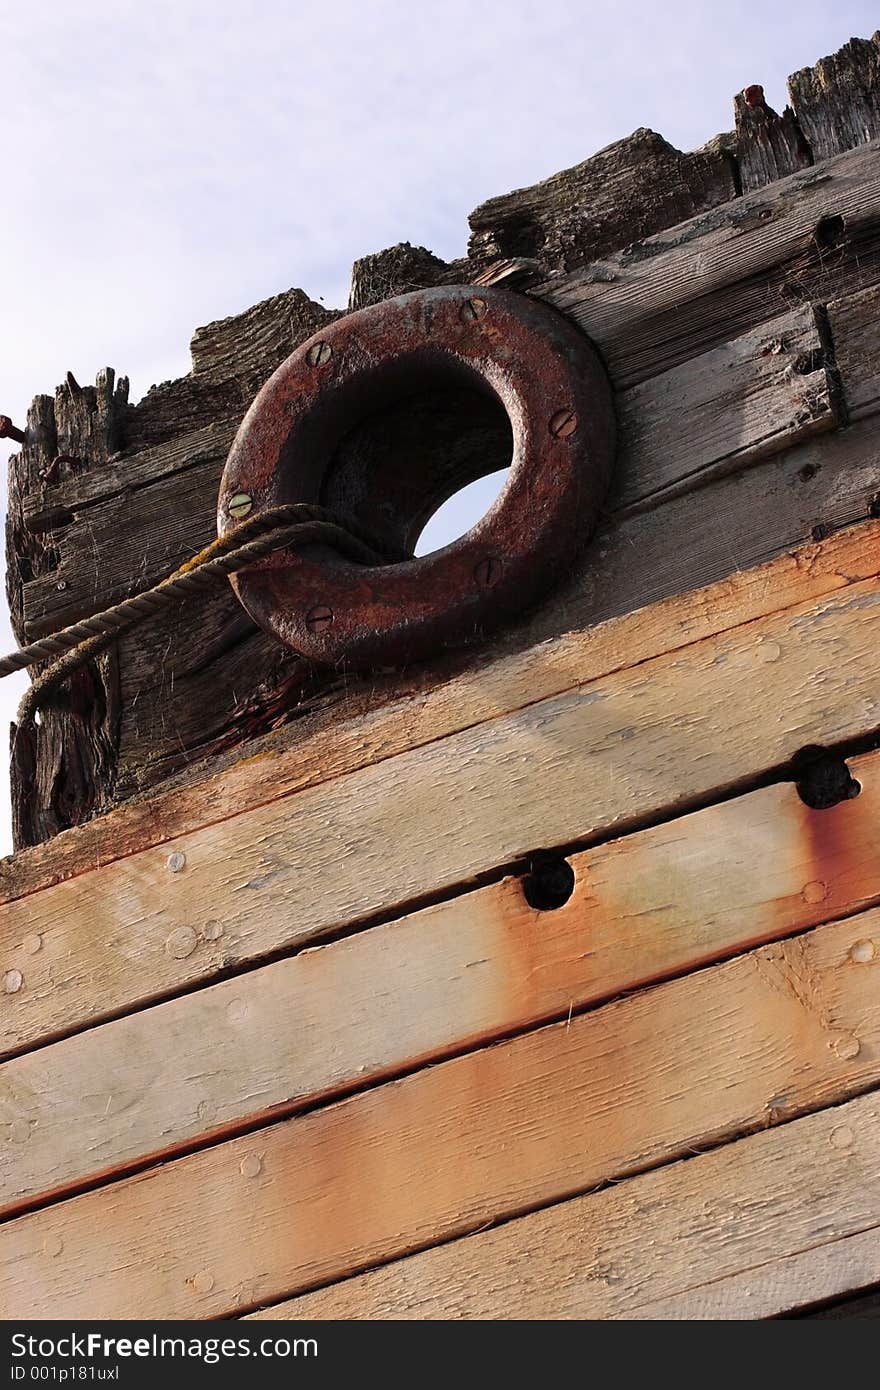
point(549, 883)
point(829, 231)
point(822, 778)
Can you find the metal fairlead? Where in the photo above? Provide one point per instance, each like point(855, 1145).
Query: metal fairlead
point(295, 445)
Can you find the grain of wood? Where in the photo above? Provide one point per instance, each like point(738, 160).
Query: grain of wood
point(781, 1285)
point(754, 396)
point(647, 742)
point(474, 1140)
point(838, 99)
point(299, 756)
point(855, 328)
point(763, 1224)
point(768, 146)
point(453, 976)
point(634, 187)
point(684, 291)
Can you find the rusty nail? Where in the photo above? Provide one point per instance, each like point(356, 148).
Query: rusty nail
point(319, 619)
point(487, 572)
point(239, 505)
point(753, 95)
point(9, 431)
point(473, 309)
point(563, 423)
point(319, 354)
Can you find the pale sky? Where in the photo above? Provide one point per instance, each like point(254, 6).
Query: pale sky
point(168, 163)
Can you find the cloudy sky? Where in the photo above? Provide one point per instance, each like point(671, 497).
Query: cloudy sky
point(168, 162)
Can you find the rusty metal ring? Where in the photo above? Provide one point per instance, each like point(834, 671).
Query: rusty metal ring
point(291, 448)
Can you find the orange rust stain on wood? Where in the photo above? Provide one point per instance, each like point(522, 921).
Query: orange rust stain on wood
point(473, 1140)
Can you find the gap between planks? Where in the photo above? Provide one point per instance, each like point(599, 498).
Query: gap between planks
point(343, 1017)
point(690, 1064)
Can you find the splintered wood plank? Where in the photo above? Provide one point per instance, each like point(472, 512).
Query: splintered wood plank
point(753, 396)
point(477, 1139)
point(773, 1222)
point(757, 395)
point(288, 761)
point(456, 975)
point(650, 741)
point(681, 292)
point(855, 328)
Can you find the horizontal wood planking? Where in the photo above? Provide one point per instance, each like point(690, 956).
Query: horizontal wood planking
point(299, 756)
point(681, 292)
point(646, 742)
point(762, 393)
point(461, 973)
point(790, 1027)
point(765, 1225)
point(855, 329)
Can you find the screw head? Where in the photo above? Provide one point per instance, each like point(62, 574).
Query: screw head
point(563, 423)
point(487, 572)
point(319, 618)
point(239, 505)
point(319, 354)
point(61, 585)
point(473, 309)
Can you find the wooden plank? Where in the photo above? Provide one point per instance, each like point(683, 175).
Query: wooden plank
point(301, 755)
point(866, 1307)
point(838, 100)
point(682, 292)
point(652, 741)
point(790, 1027)
point(630, 189)
point(794, 1281)
point(754, 396)
point(648, 742)
point(768, 146)
point(772, 1219)
point(459, 974)
point(855, 328)
point(758, 395)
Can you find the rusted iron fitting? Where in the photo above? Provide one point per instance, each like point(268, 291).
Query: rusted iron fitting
point(295, 445)
point(9, 431)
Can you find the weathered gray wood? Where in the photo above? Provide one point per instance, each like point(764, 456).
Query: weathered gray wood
point(768, 146)
point(630, 190)
point(812, 236)
point(838, 100)
point(855, 328)
point(398, 270)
